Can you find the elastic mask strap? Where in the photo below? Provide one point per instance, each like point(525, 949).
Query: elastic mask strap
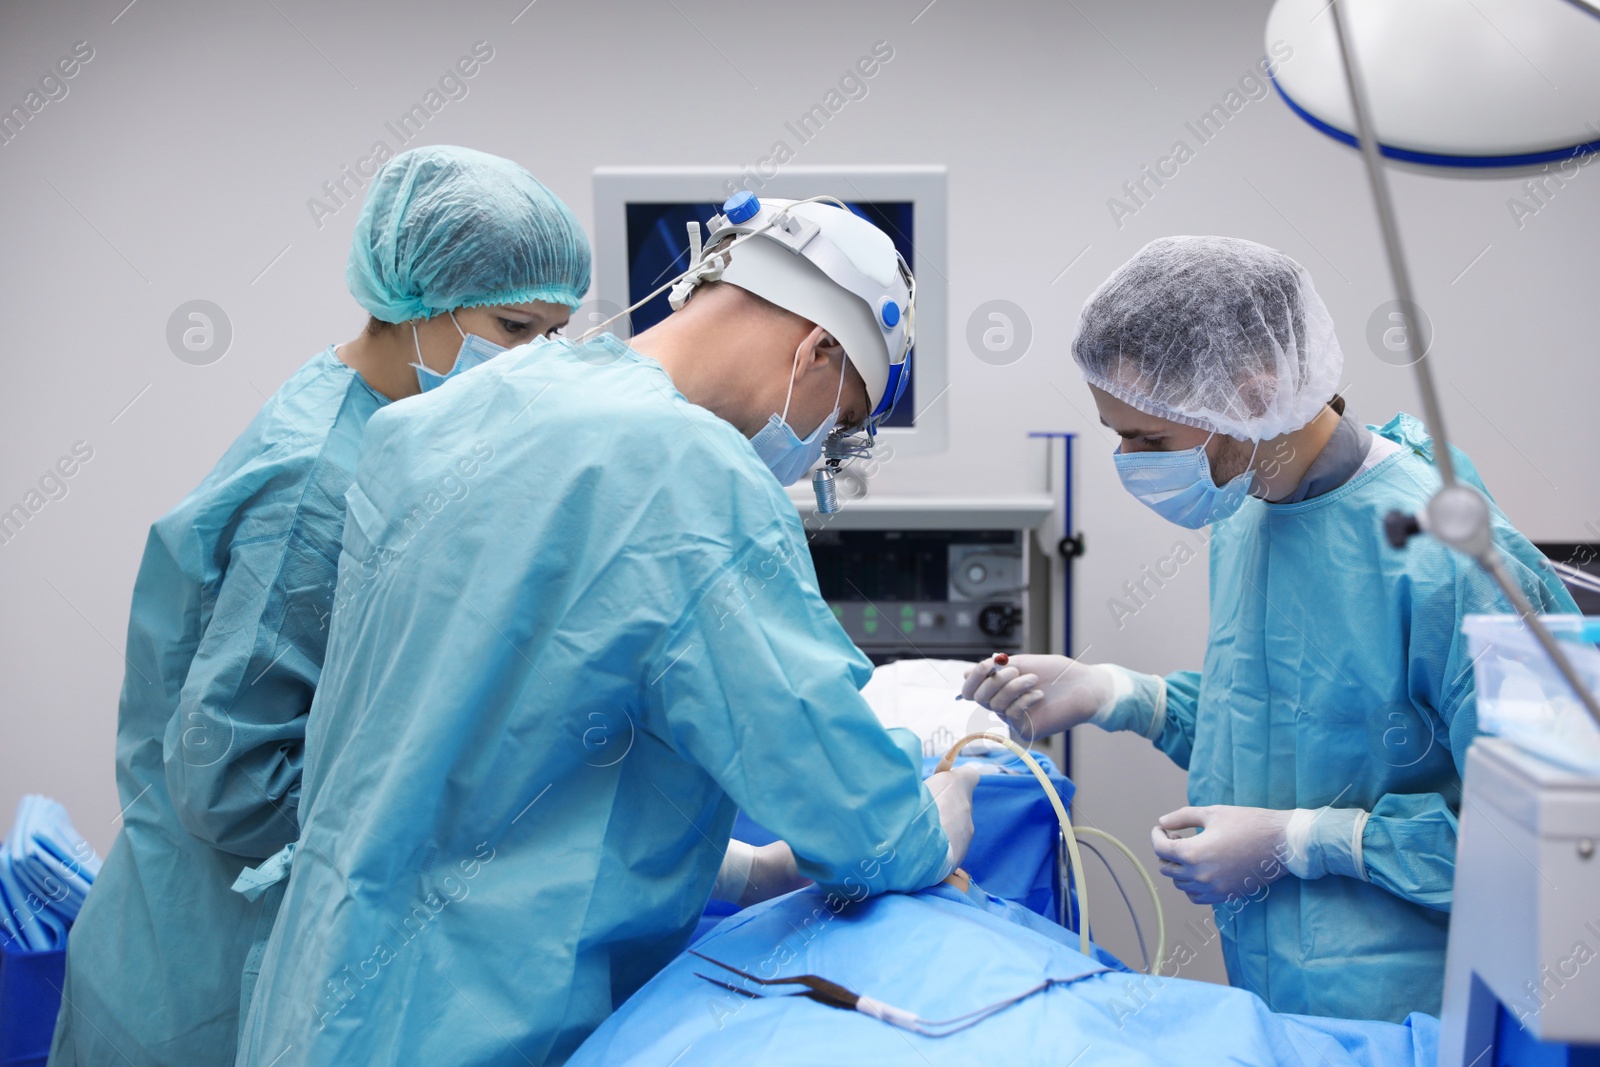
point(793, 367)
point(459, 330)
point(416, 344)
point(839, 392)
point(1249, 468)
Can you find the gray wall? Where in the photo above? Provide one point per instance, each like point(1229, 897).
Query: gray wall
point(179, 164)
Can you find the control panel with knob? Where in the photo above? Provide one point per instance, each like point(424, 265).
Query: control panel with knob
point(911, 593)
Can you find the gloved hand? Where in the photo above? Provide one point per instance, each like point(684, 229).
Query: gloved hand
point(753, 873)
point(952, 794)
point(1237, 852)
point(1043, 695)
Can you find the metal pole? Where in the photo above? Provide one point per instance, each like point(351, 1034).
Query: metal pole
point(1489, 557)
point(1066, 531)
point(1069, 547)
point(1391, 245)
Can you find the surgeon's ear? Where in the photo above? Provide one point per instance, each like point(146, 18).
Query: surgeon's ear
point(826, 350)
point(1257, 392)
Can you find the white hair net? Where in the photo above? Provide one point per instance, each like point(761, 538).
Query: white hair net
point(1215, 332)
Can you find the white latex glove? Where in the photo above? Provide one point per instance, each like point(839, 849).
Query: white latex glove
point(952, 794)
point(753, 873)
point(1043, 695)
point(1237, 852)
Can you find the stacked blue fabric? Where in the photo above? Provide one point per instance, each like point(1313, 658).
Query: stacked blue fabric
point(46, 869)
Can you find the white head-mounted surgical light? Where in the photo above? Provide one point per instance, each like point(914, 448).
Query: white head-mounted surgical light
point(818, 260)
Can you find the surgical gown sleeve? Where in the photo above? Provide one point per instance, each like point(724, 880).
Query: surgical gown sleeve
point(1160, 709)
point(234, 748)
point(1408, 844)
point(759, 685)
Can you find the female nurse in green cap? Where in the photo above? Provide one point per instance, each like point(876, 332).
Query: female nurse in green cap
point(457, 255)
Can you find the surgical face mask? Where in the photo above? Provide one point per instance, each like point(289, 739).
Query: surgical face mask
point(473, 351)
point(1178, 485)
point(786, 455)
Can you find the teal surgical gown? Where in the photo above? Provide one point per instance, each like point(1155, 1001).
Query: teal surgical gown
point(225, 643)
point(1336, 674)
point(576, 626)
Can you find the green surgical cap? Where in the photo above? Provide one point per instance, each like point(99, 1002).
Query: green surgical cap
point(445, 228)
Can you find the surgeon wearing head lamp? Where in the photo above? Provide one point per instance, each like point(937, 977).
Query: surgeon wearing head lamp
point(1326, 732)
point(539, 715)
point(455, 255)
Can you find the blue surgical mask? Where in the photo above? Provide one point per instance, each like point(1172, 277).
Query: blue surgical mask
point(1178, 485)
point(785, 453)
point(473, 351)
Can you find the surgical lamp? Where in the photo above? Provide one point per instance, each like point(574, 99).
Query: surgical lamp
point(1515, 123)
